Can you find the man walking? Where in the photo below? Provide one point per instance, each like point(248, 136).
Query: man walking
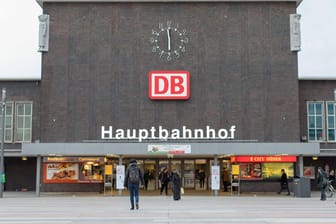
point(284, 182)
point(322, 182)
point(133, 177)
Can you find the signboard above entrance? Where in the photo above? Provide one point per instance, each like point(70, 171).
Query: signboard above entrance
point(261, 159)
point(169, 149)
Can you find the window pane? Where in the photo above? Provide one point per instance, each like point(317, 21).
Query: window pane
point(331, 135)
point(8, 123)
point(28, 109)
point(27, 135)
point(8, 137)
point(20, 109)
point(330, 108)
point(318, 109)
point(311, 110)
point(9, 109)
point(319, 133)
point(312, 136)
point(27, 122)
point(319, 122)
point(311, 122)
point(331, 121)
point(19, 135)
point(19, 122)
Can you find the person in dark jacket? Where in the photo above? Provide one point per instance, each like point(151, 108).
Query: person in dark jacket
point(132, 184)
point(164, 179)
point(176, 185)
point(322, 182)
point(284, 182)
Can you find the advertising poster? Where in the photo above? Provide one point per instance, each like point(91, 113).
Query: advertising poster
point(61, 172)
point(169, 149)
point(120, 172)
point(309, 172)
point(215, 180)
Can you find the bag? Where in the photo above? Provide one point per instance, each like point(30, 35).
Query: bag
point(134, 175)
point(182, 190)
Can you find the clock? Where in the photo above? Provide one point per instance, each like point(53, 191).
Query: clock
point(169, 41)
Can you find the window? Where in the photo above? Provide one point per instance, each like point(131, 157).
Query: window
point(21, 118)
point(23, 127)
point(8, 122)
point(315, 122)
point(331, 127)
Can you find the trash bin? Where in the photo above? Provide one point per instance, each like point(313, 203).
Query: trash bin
point(301, 187)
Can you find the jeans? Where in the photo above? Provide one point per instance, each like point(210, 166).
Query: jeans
point(323, 192)
point(134, 193)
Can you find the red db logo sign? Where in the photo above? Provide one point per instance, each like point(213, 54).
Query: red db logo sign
point(169, 85)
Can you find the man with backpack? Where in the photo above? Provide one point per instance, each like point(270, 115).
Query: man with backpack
point(133, 177)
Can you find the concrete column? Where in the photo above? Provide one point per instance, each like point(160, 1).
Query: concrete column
point(300, 166)
point(215, 192)
point(38, 175)
point(120, 163)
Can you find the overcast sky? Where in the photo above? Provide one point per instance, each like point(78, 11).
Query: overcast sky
point(19, 38)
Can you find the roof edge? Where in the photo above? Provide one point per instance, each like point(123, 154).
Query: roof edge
point(317, 77)
point(40, 2)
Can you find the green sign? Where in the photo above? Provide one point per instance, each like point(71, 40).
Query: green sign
point(3, 178)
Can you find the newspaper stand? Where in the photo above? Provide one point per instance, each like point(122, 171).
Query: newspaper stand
point(108, 179)
point(235, 180)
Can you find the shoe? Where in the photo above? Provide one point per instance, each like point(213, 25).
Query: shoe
point(132, 208)
point(137, 206)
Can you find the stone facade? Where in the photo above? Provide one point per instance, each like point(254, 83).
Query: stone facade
point(238, 55)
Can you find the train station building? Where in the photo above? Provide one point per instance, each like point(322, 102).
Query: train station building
point(194, 85)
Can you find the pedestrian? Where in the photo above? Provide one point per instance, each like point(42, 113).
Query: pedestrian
point(201, 175)
point(284, 182)
point(146, 179)
point(176, 185)
point(164, 179)
point(133, 178)
point(322, 181)
point(226, 179)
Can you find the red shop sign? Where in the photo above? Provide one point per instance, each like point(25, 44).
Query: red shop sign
point(262, 159)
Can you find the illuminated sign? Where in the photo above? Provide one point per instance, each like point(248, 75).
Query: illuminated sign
point(169, 85)
point(262, 159)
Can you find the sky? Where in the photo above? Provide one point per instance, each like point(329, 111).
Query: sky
point(19, 38)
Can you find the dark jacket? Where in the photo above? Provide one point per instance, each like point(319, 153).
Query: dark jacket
point(284, 180)
point(131, 165)
point(321, 178)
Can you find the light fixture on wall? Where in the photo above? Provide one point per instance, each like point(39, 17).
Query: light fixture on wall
point(24, 158)
point(314, 158)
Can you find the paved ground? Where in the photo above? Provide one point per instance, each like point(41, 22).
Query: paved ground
point(24, 208)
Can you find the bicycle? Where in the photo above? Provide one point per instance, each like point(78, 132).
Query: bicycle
point(329, 189)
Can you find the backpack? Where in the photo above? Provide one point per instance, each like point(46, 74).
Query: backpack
point(133, 175)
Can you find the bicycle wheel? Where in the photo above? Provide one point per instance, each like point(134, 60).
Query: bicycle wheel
point(329, 192)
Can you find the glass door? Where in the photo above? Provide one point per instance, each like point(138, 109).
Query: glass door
point(149, 174)
point(189, 174)
point(201, 174)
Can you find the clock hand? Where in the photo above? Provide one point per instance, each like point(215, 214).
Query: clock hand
point(169, 38)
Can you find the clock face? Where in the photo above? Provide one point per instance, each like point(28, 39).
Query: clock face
point(169, 41)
